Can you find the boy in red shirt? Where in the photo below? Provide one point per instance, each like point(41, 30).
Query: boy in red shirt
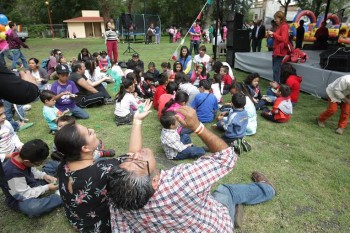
point(160, 90)
point(226, 79)
point(282, 108)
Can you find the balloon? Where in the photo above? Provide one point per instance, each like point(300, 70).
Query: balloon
point(2, 36)
point(3, 19)
point(2, 28)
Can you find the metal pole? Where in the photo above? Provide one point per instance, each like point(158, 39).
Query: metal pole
point(327, 10)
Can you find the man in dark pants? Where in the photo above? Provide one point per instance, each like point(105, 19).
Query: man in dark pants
point(300, 35)
point(258, 34)
point(87, 94)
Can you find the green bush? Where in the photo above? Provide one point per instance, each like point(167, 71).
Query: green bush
point(35, 31)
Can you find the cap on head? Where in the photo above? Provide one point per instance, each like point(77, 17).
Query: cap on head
point(62, 69)
point(135, 55)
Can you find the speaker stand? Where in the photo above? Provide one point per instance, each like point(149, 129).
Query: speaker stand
point(129, 49)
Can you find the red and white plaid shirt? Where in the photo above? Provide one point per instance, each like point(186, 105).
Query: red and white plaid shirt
point(183, 202)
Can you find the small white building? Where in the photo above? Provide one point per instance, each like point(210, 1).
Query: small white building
point(89, 25)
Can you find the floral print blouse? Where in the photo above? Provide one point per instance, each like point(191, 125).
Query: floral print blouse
point(86, 202)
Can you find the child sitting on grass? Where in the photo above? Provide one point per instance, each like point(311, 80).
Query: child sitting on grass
point(160, 90)
point(50, 112)
point(235, 124)
point(226, 79)
point(9, 141)
point(282, 108)
point(205, 103)
point(126, 102)
point(199, 74)
point(176, 146)
point(25, 184)
point(252, 83)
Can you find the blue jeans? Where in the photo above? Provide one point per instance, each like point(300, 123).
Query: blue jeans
point(185, 131)
point(189, 152)
point(276, 67)
point(79, 112)
point(231, 195)
point(194, 44)
point(38, 206)
point(17, 54)
point(8, 55)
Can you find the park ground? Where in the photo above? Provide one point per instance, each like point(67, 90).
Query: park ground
point(309, 166)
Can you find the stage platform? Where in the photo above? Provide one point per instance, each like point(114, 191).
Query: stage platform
point(315, 79)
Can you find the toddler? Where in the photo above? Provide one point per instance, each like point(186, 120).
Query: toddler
point(176, 146)
point(50, 112)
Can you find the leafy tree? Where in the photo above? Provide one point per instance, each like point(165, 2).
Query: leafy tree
point(285, 4)
point(319, 6)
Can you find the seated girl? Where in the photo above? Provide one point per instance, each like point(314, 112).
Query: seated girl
point(104, 62)
point(177, 67)
point(126, 103)
point(199, 74)
point(217, 87)
point(290, 78)
point(252, 83)
point(38, 73)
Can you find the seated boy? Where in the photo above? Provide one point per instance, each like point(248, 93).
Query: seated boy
point(9, 141)
point(50, 112)
point(282, 108)
point(25, 184)
point(235, 124)
point(226, 79)
point(205, 103)
point(146, 87)
point(176, 147)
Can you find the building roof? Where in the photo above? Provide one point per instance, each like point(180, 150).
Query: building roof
point(84, 20)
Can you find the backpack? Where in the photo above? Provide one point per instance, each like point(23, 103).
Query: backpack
point(45, 64)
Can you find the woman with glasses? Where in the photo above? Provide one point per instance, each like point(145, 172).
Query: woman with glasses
point(82, 181)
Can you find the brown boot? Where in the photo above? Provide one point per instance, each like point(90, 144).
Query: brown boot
point(238, 216)
point(261, 178)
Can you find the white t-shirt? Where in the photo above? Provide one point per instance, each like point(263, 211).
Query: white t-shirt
point(122, 108)
point(252, 121)
point(205, 60)
point(9, 140)
point(216, 90)
point(36, 75)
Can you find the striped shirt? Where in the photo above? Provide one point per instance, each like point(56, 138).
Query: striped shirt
point(183, 201)
point(111, 34)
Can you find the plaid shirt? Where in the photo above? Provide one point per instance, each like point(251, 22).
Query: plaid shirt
point(171, 143)
point(183, 202)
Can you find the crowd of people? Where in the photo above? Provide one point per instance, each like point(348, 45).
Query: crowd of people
point(129, 193)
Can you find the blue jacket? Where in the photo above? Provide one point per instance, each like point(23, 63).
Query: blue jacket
point(236, 123)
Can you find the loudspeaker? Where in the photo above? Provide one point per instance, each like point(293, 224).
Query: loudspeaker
point(230, 57)
point(336, 59)
point(127, 20)
point(239, 41)
point(230, 29)
point(238, 21)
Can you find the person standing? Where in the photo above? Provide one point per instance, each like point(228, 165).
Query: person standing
point(300, 35)
point(171, 34)
point(15, 44)
point(338, 95)
point(280, 44)
point(157, 32)
point(195, 33)
point(150, 33)
point(322, 35)
point(111, 41)
point(258, 34)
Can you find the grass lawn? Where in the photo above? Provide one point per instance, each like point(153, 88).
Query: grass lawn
point(308, 165)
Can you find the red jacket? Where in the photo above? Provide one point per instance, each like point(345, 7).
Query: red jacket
point(293, 81)
point(227, 79)
point(281, 39)
point(282, 109)
point(160, 90)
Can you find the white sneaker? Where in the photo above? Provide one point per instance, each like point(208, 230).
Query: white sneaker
point(27, 107)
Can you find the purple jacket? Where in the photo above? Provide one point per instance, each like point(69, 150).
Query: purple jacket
point(14, 41)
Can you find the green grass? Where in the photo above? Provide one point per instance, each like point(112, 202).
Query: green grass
point(309, 165)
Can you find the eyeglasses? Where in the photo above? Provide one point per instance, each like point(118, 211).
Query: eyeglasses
point(140, 163)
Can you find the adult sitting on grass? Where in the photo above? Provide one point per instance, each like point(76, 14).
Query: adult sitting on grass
point(82, 181)
point(147, 199)
point(88, 94)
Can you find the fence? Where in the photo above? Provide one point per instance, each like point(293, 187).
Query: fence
point(44, 31)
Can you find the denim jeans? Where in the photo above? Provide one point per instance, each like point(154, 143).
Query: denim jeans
point(38, 206)
point(276, 67)
point(189, 152)
point(17, 54)
point(79, 112)
point(231, 195)
point(9, 107)
point(194, 44)
point(8, 55)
